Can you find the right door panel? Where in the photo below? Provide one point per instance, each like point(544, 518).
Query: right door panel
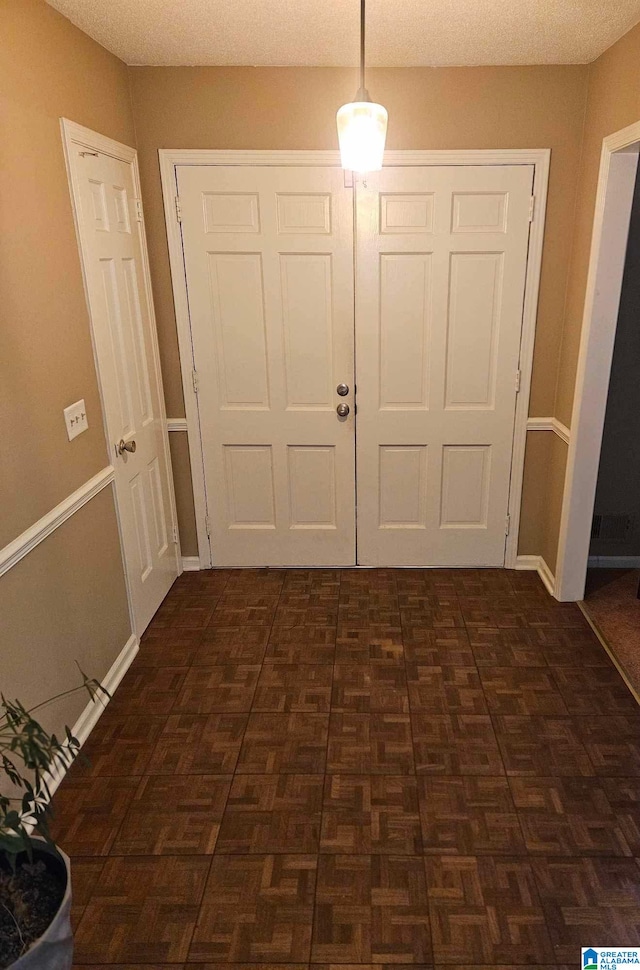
point(440, 276)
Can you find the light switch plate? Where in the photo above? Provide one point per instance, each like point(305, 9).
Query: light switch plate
point(75, 418)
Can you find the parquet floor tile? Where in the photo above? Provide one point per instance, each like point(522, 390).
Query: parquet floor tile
point(227, 689)
point(522, 690)
point(294, 687)
point(220, 645)
point(174, 815)
point(613, 743)
point(272, 813)
point(445, 690)
point(256, 908)
point(469, 815)
point(455, 744)
point(370, 744)
point(342, 769)
point(370, 688)
point(371, 909)
point(594, 898)
point(123, 745)
point(89, 811)
point(569, 817)
point(486, 910)
point(375, 814)
point(149, 689)
point(290, 743)
point(142, 909)
point(192, 744)
point(534, 745)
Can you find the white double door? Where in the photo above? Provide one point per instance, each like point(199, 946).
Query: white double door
point(413, 291)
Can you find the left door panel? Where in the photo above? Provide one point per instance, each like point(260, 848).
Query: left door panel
point(111, 243)
point(269, 266)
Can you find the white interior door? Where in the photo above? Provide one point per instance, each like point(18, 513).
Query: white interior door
point(440, 277)
point(111, 243)
point(269, 265)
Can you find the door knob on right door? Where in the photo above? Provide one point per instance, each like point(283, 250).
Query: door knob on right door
point(342, 390)
point(342, 410)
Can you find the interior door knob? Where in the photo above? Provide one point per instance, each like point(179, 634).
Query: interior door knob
point(342, 410)
point(123, 446)
point(342, 390)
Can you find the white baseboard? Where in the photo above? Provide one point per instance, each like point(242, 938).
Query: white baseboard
point(190, 564)
point(614, 562)
point(540, 566)
point(95, 708)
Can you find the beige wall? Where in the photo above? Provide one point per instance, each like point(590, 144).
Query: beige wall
point(613, 103)
point(49, 69)
point(66, 600)
point(294, 108)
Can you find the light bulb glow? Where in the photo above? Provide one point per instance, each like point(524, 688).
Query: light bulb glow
point(362, 131)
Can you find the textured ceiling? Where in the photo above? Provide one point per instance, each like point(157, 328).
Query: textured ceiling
point(325, 32)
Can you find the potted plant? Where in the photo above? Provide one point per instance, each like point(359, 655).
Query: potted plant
point(35, 879)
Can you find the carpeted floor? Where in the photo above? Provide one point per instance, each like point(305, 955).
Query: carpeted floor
point(612, 604)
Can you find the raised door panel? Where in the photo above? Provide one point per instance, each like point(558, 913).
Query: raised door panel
point(269, 270)
point(441, 268)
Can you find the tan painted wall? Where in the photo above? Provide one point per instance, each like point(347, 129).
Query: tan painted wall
point(49, 69)
point(184, 493)
point(66, 600)
point(294, 108)
point(613, 103)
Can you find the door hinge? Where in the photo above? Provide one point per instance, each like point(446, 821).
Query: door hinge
point(194, 380)
point(178, 209)
point(507, 525)
point(207, 525)
point(175, 535)
point(532, 208)
point(138, 204)
point(518, 376)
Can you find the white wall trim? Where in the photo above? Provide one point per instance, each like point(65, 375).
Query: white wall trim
point(538, 564)
point(177, 424)
point(96, 708)
point(549, 424)
point(614, 562)
point(190, 564)
point(614, 197)
point(538, 158)
point(33, 536)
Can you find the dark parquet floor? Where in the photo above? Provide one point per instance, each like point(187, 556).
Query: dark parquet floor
point(356, 768)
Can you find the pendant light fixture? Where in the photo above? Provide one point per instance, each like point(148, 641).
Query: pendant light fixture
point(362, 124)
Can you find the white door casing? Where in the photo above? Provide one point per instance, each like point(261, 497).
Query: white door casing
point(441, 267)
point(268, 255)
point(105, 192)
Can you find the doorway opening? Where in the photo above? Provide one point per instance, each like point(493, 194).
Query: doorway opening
point(614, 203)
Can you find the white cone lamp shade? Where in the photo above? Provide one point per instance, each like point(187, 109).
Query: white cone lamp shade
point(362, 131)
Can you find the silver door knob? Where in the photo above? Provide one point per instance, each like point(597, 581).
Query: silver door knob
point(342, 390)
point(342, 410)
point(123, 446)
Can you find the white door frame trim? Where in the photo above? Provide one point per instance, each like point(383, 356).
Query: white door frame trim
point(616, 181)
point(539, 158)
point(73, 133)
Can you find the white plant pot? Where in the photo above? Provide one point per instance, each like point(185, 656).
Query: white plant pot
point(54, 949)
